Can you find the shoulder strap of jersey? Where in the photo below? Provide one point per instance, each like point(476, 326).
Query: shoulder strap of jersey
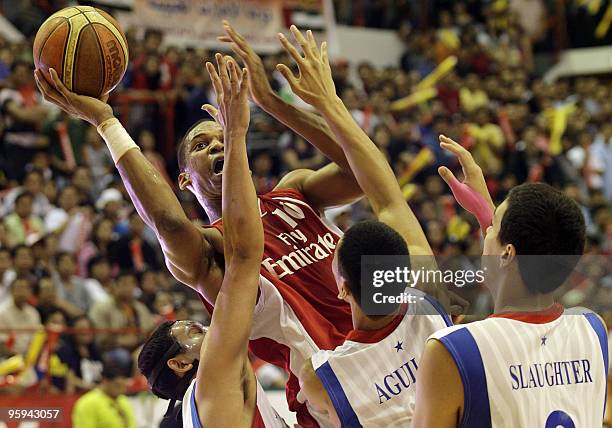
point(577, 310)
point(463, 348)
point(602, 334)
point(346, 414)
point(320, 357)
point(437, 306)
point(195, 418)
point(286, 192)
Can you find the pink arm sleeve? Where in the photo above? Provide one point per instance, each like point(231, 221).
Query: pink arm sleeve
point(473, 202)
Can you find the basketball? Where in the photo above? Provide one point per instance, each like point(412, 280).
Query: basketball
point(86, 48)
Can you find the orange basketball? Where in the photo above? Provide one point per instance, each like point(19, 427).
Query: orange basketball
point(85, 46)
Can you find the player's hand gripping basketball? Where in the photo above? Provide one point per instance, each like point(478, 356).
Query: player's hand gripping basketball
point(261, 91)
point(314, 84)
point(230, 84)
point(472, 194)
point(92, 110)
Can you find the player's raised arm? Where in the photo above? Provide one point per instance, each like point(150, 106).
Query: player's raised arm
point(331, 185)
point(308, 124)
point(374, 174)
point(184, 245)
point(472, 194)
point(372, 171)
point(224, 356)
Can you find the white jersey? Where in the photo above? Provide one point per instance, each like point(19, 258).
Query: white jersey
point(265, 416)
point(275, 319)
point(521, 370)
point(277, 330)
point(371, 378)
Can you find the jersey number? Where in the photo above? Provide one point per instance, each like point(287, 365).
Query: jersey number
point(559, 418)
point(290, 210)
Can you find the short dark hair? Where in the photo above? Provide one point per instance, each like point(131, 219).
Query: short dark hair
point(181, 154)
point(367, 238)
point(141, 275)
point(542, 221)
point(44, 277)
point(19, 247)
point(60, 255)
point(152, 352)
point(96, 260)
point(22, 195)
point(20, 63)
point(66, 188)
point(72, 321)
point(20, 278)
point(127, 273)
point(34, 172)
point(116, 363)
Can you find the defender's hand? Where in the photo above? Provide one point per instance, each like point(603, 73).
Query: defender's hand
point(261, 91)
point(230, 86)
point(314, 84)
point(95, 111)
point(472, 194)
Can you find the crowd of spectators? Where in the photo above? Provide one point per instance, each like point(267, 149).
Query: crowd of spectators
point(74, 254)
point(550, 24)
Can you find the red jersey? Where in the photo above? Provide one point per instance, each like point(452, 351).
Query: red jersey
point(299, 287)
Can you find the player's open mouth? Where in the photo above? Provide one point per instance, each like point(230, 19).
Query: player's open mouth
point(218, 166)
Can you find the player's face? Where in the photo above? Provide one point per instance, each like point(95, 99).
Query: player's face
point(204, 156)
point(492, 246)
point(190, 334)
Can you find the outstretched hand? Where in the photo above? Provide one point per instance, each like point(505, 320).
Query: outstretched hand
point(314, 83)
point(472, 194)
point(93, 110)
point(261, 91)
point(230, 85)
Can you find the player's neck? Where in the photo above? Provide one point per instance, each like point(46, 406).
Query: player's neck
point(362, 322)
point(212, 207)
point(516, 298)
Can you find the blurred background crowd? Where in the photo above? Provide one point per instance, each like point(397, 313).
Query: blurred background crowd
point(75, 255)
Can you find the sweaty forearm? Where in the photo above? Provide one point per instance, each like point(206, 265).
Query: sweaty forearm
point(150, 193)
point(243, 231)
point(368, 165)
point(312, 127)
point(375, 177)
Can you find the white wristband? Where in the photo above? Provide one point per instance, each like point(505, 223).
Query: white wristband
point(117, 138)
